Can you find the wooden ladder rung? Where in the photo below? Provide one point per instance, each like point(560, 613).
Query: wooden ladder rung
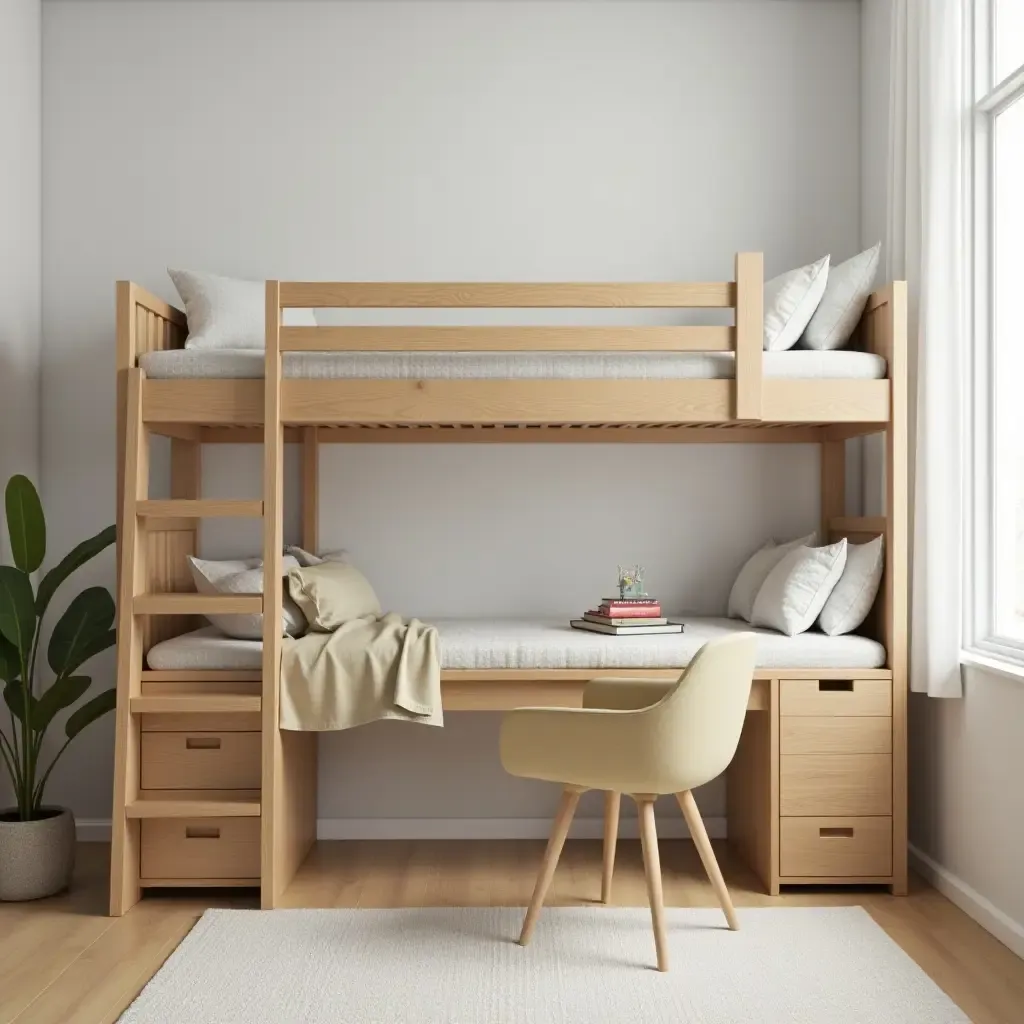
point(196, 703)
point(199, 508)
point(198, 604)
point(196, 804)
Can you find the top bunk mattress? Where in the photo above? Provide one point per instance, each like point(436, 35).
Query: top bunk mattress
point(177, 364)
point(521, 644)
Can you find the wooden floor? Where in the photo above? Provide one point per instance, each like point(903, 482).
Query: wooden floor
point(62, 961)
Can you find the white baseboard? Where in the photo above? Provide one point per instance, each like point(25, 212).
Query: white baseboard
point(493, 828)
point(970, 901)
point(97, 830)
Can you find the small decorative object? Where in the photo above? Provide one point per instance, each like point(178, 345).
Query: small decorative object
point(37, 842)
point(631, 581)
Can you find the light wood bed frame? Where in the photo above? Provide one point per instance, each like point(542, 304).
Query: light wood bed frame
point(817, 792)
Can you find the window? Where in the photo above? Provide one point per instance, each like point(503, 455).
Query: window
point(996, 544)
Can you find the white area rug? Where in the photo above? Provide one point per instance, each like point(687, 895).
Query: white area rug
point(586, 965)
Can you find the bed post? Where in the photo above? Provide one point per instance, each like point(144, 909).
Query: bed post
point(897, 570)
point(749, 334)
point(310, 489)
point(288, 798)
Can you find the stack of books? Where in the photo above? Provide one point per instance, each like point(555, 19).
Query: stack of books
point(622, 616)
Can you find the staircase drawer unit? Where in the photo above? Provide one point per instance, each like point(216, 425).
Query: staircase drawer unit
point(200, 760)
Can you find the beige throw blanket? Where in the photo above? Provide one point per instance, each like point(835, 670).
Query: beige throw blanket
point(366, 670)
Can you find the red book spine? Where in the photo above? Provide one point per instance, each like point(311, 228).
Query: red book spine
point(630, 611)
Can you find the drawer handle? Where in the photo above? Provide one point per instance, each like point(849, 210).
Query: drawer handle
point(202, 743)
point(835, 686)
point(202, 832)
point(835, 833)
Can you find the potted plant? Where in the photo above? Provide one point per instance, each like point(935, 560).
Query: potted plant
point(37, 842)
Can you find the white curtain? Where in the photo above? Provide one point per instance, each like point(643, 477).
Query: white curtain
point(928, 122)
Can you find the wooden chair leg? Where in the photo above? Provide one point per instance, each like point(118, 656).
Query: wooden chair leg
point(566, 809)
point(612, 800)
point(707, 855)
point(652, 869)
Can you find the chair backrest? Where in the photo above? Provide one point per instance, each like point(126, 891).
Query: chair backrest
point(696, 726)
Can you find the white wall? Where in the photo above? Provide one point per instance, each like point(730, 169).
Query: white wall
point(20, 226)
point(966, 756)
point(20, 259)
point(445, 140)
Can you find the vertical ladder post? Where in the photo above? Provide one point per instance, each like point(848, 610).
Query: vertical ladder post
point(271, 827)
point(896, 582)
point(749, 334)
point(125, 833)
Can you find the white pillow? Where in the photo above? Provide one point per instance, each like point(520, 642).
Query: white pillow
point(798, 587)
point(753, 574)
point(789, 303)
point(225, 312)
point(854, 594)
point(846, 293)
point(244, 577)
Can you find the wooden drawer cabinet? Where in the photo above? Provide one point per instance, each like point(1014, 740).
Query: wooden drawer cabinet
point(835, 847)
point(831, 697)
point(810, 735)
point(200, 760)
point(200, 848)
point(190, 721)
point(835, 784)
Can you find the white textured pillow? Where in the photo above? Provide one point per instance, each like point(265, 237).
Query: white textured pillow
point(848, 605)
point(225, 312)
point(840, 309)
point(244, 577)
point(789, 303)
point(798, 587)
point(755, 571)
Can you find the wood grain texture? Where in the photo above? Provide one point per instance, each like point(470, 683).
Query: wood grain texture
point(310, 474)
point(64, 961)
point(197, 703)
point(200, 760)
point(831, 785)
point(836, 735)
point(858, 697)
point(194, 803)
point(248, 721)
point(201, 848)
point(749, 335)
point(201, 508)
point(508, 339)
point(124, 860)
point(824, 401)
point(833, 847)
point(517, 295)
point(198, 604)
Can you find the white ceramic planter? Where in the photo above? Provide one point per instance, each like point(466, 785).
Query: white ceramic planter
point(36, 857)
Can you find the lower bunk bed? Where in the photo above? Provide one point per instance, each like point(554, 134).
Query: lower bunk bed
point(810, 793)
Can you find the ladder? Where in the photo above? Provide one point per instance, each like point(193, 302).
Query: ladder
point(248, 837)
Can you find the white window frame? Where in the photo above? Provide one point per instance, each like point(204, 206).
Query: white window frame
point(982, 643)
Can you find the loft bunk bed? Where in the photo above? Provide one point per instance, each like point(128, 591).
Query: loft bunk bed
point(210, 791)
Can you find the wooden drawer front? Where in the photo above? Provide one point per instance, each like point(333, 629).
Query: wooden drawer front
point(176, 848)
point(808, 735)
point(246, 721)
point(828, 697)
point(200, 760)
point(835, 784)
point(835, 847)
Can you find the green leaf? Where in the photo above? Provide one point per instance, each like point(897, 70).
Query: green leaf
point(10, 666)
point(62, 694)
point(76, 636)
point(88, 713)
point(74, 559)
point(25, 523)
point(17, 610)
point(14, 698)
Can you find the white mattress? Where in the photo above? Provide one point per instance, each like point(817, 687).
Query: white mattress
point(248, 363)
point(513, 643)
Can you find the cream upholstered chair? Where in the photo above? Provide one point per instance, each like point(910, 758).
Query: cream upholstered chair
point(645, 739)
